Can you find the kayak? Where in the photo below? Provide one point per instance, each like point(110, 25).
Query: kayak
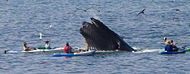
point(53, 50)
point(35, 51)
point(187, 50)
point(41, 47)
point(91, 52)
point(174, 52)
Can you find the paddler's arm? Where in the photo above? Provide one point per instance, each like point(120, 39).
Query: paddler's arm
point(73, 50)
point(31, 48)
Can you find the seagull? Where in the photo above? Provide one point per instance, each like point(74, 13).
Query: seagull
point(142, 12)
point(40, 35)
point(85, 10)
point(177, 10)
point(50, 26)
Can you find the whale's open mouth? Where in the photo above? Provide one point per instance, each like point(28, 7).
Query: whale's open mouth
point(97, 36)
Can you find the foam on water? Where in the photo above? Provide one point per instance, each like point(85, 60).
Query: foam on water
point(148, 50)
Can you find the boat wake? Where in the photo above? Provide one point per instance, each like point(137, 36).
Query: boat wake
point(148, 50)
point(138, 50)
point(78, 49)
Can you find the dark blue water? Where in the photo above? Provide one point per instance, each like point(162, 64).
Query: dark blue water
point(59, 22)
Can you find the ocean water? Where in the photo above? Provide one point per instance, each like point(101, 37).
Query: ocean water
point(59, 22)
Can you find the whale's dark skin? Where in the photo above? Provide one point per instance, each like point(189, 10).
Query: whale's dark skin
point(97, 36)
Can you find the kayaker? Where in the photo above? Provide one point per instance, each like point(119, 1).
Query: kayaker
point(168, 46)
point(68, 48)
point(47, 45)
point(174, 47)
point(165, 39)
point(27, 48)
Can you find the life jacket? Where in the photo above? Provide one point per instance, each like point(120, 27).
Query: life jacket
point(68, 49)
point(168, 48)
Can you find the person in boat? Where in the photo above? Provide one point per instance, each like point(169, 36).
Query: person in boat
point(168, 46)
point(68, 49)
point(174, 47)
point(47, 45)
point(165, 39)
point(27, 48)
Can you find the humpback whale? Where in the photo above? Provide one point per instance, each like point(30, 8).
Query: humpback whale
point(98, 36)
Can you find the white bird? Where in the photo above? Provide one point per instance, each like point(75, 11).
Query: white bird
point(40, 35)
point(50, 26)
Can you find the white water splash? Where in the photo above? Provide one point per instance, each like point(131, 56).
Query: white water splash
point(136, 48)
point(148, 50)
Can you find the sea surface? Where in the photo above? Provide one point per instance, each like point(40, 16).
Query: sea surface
point(59, 22)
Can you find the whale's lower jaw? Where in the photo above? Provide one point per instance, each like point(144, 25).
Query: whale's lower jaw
point(97, 36)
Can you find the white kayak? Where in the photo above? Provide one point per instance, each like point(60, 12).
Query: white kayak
point(35, 51)
point(86, 53)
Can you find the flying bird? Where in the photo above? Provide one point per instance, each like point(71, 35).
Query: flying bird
point(85, 10)
point(142, 12)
